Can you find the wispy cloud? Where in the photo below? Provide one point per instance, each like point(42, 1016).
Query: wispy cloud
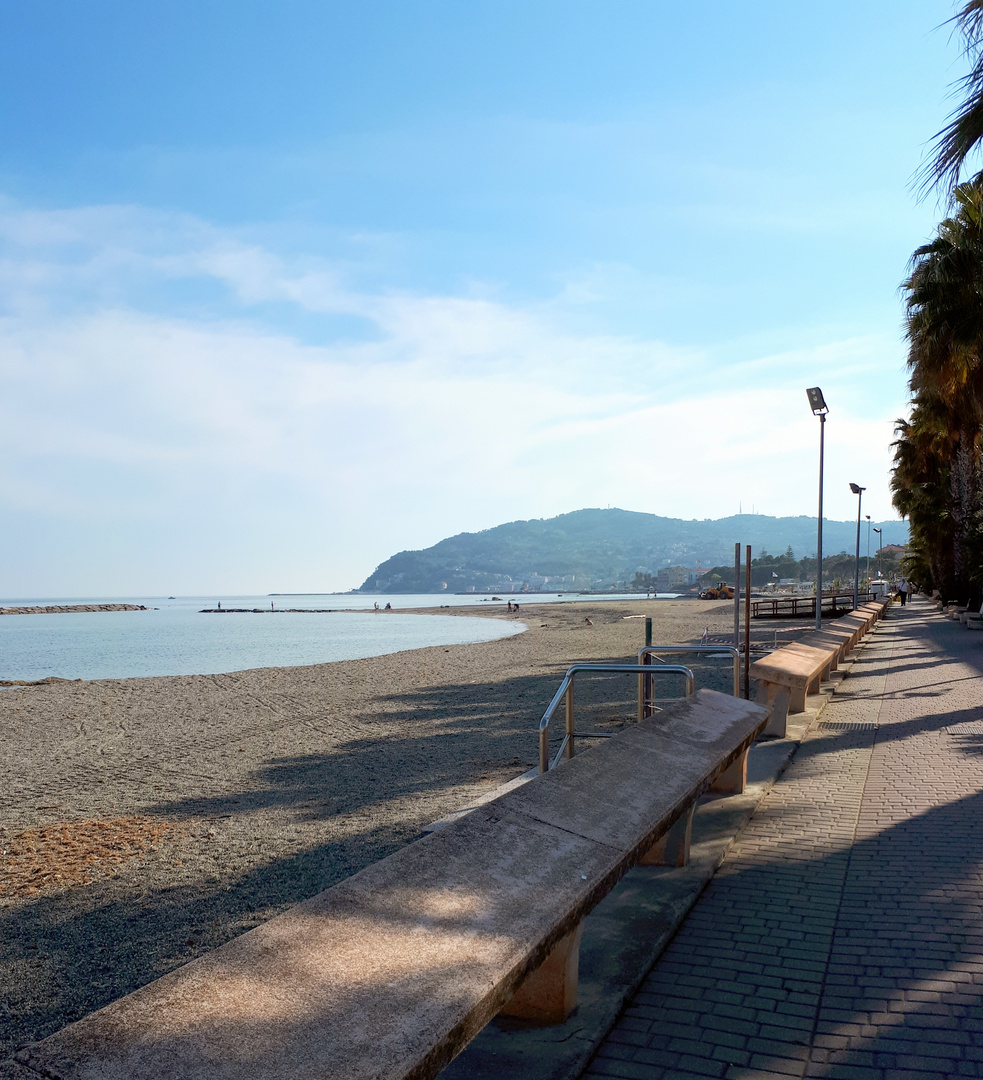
point(125, 407)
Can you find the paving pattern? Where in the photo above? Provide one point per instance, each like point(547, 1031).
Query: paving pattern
point(842, 936)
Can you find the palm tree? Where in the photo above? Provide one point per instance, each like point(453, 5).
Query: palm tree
point(920, 489)
point(936, 477)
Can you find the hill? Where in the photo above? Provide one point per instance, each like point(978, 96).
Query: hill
point(598, 549)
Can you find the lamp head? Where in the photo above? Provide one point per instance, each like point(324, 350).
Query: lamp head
point(856, 489)
point(816, 401)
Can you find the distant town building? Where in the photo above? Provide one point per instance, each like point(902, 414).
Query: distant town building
point(672, 579)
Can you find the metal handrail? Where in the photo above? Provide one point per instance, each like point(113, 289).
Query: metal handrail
point(565, 693)
point(705, 650)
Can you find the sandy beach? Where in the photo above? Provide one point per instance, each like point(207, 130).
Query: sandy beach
point(146, 821)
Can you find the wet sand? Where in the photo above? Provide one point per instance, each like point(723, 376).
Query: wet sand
point(146, 821)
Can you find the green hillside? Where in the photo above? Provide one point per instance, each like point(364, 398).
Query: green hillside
point(598, 549)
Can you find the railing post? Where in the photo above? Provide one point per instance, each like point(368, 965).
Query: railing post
point(544, 750)
point(645, 690)
point(569, 705)
point(747, 625)
point(737, 595)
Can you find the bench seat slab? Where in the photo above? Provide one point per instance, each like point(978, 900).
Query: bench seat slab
point(607, 794)
point(402, 964)
point(798, 667)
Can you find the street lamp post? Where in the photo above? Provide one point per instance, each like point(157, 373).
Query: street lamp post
point(880, 538)
point(859, 492)
point(819, 408)
point(867, 516)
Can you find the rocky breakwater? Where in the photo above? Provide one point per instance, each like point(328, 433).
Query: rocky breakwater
point(61, 609)
point(266, 611)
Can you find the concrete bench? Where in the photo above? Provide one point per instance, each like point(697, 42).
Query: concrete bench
point(785, 678)
point(856, 624)
point(837, 644)
point(867, 616)
point(874, 608)
point(788, 675)
point(390, 973)
point(859, 622)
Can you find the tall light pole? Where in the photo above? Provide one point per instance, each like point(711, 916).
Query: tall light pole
point(880, 538)
point(859, 492)
point(819, 408)
point(867, 516)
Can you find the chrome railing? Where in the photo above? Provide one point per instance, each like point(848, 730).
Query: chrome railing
point(709, 651)
point(565, 693)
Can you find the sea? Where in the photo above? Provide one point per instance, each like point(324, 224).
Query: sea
point(174, 637)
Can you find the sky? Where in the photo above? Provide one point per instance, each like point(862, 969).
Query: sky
point(287, 288)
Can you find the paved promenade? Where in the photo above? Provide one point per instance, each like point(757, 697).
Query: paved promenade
point(843, 935)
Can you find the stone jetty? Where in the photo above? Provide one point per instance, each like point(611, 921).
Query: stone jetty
point(62, 609)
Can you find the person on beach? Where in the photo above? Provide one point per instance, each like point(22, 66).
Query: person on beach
point(903, 591)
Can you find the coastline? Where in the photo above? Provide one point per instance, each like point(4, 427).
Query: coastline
point(247, 792)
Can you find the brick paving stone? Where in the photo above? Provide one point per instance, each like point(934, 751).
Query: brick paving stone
point(842, 936)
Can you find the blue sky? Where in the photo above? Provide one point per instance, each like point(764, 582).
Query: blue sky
point(287, 288)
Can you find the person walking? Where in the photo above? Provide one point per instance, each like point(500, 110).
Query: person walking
point(903, 591)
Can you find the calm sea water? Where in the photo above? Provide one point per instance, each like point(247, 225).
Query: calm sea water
point(175, 639)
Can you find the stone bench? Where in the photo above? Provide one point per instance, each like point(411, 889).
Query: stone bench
point(786, 677)
point(837, 644)
point(391, 973)
point(870, 612)
point(859, 622)
point(850, 628)
point(875, 608)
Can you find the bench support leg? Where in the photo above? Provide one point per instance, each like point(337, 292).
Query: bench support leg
point(797, 699)
point(733, 779)
point(776, 698)
point(549, 994)
point(672, 849)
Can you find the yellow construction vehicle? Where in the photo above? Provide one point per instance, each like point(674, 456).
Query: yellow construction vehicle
point(721, 592)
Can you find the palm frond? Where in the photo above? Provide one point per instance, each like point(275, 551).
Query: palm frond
point(955, 142)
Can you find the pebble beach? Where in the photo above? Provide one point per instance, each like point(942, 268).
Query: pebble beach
point(146, 821)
